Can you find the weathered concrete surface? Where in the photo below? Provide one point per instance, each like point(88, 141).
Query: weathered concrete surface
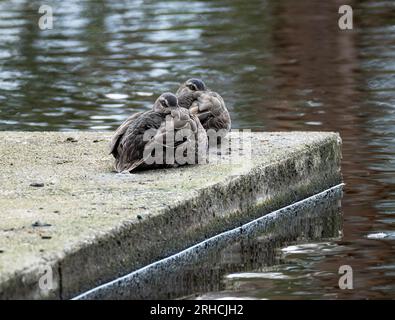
point(91, 225)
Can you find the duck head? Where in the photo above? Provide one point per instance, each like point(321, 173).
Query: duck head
point(166, 103)
point(191, 85)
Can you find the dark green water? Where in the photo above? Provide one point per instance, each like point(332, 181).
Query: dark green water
point(280, 65)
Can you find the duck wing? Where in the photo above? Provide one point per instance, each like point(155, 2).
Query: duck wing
point(212, 111)
point(130, 149)
point(189, 135)
point(116, 138)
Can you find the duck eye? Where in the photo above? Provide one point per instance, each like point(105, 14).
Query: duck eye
point(163, 102)
point(192, 87)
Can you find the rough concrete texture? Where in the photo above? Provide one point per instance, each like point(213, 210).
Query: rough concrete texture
point(62, 206)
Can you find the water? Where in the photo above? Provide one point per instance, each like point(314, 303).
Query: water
point(280, 65)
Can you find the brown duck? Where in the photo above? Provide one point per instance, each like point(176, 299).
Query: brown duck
point(206, 104)
point(128, 142)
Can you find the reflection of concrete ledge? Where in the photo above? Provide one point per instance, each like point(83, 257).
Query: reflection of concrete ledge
point(91, 225)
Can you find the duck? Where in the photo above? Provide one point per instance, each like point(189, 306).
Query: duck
point(166, 127)
point(208, 105)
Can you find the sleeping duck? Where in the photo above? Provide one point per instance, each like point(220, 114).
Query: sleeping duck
point(206, 104)
point(168, 128)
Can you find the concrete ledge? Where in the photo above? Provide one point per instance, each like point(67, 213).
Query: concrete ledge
point(251, 246)
point(62, 206)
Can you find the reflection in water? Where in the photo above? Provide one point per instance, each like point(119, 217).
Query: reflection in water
point(256, 267)
point(279, 64)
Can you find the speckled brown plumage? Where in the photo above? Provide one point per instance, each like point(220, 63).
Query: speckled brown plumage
point(128, 143)
point(206, 104)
